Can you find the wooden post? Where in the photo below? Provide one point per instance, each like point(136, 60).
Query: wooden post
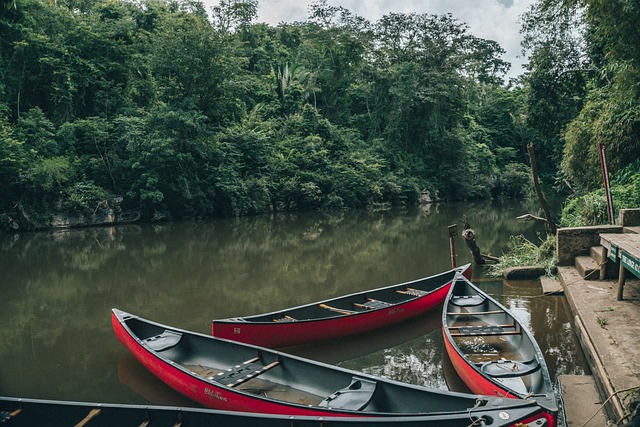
point(607, 186)
point(469, 237)
point(621, 280)
point(453, 232)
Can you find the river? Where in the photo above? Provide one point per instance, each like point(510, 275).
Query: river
point(57, 289)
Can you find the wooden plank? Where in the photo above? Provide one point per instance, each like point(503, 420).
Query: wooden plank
point(13, 414)
point(337, 310)
point(411, 292)
point(479, 313)
point(92, 413)
point(285, 318)
point(624, 241)
point(485, 334)
point(471, 326)
point(255, 373)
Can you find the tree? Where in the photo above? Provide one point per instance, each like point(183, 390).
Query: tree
point(582, 84)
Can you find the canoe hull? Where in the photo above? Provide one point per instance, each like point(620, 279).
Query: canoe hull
point(205, 393)
point(279, 335)
point(488, 327)
point(177, 357)
point(20, 412)
point(291, 333)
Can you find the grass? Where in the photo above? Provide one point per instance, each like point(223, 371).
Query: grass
point(602, 321)
point(523, 252)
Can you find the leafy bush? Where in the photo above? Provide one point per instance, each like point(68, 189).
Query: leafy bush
point(513, 182)
point(85, 198)
point(591, 209)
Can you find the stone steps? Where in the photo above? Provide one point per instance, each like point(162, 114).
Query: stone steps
point(587, 267)
point(596, 265)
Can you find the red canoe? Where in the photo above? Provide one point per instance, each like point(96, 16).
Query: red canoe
point(492, 352)
point(338, 317)
point(228, 375)
point(18, 412)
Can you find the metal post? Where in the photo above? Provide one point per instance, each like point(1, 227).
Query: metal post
point(607, 186)
point(453, 232)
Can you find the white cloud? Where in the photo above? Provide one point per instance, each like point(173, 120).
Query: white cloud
point(489, 19)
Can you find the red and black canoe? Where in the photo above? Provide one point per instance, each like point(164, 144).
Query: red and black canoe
point(227, 375)
point(342, 316)
point(492, 352)
point(18, 412)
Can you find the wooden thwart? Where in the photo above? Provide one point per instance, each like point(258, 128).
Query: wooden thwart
point(254, 374)
point(89, 417)
point(479, 313)
point(469, 331)
point(337, 310)
point(483, 326)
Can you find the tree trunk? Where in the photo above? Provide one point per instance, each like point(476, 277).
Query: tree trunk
point(536, 185)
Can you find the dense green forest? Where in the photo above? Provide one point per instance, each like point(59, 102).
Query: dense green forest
point(177, 112)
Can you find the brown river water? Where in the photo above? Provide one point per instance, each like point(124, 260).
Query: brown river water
point(57, 289)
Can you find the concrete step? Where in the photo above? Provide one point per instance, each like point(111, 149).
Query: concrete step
point(551, 286)
point(599, 254)
point(587, 268)
point(581, 401)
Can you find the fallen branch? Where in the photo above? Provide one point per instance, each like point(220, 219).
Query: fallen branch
point(529, 217)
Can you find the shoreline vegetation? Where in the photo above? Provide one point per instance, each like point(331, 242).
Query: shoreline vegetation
point(165, 111)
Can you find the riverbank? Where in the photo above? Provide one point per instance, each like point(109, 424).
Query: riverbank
point(609, 332)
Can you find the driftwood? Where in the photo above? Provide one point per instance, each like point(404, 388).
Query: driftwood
point(529, 217)
point(469, 237)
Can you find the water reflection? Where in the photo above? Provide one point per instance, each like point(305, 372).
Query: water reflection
point(57, 289)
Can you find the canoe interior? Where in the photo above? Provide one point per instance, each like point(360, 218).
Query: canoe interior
point(494, 341)
point(358, 302)
point(271, 375)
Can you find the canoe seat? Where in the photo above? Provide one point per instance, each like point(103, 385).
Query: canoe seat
point(284, 318)
point(243, 373)
point(355, 397)
point(373, 304)
point(469, 331)
point(467, 300)
point(6, 415)
point(472, 313)
point(164, 341)
point(413, 292)
point(509, 368)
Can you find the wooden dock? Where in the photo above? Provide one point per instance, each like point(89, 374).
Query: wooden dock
point(623, 248)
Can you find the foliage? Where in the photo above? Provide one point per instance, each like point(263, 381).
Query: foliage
point(583, 84)
point(514, 182)
point(85, 198)
point(524, 252)
point(591, 208)
point(186, 116)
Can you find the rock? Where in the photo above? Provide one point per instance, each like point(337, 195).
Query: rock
point(523, 273)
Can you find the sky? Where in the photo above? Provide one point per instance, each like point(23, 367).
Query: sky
point(496, 20)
